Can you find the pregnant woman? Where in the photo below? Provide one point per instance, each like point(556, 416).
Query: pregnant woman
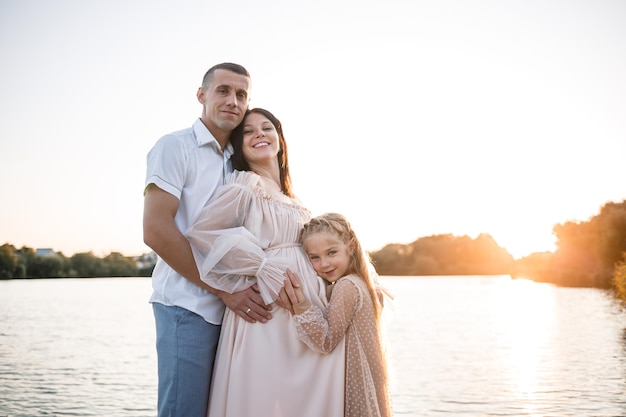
point(248, 234)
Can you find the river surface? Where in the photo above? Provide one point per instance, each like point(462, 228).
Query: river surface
point(458, 346)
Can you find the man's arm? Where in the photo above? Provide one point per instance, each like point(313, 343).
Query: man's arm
point(161, 234)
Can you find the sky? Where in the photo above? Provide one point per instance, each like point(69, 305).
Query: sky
point(412, 118)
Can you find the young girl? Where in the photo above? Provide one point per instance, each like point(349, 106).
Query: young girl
point(353, 312)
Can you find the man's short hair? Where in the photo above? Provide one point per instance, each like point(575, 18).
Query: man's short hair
point(229, 66)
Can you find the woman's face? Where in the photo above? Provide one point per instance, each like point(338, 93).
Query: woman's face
point(260, 139)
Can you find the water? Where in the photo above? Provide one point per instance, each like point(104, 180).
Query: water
point(464, 346)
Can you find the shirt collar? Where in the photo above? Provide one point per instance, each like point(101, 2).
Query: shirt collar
point(205, 137)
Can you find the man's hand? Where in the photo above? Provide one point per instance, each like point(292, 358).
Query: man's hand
point(247, 304)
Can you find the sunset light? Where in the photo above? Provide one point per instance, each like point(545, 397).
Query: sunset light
point(411, 118)
point(476, 148)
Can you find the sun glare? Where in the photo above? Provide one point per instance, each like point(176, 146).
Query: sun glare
point(524, 332)
point(520, 245)
point(522, 239)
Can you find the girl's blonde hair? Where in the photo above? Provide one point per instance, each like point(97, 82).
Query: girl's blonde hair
point(360, 262)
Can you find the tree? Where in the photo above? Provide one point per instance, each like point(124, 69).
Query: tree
point(619, 279)
point(26, 257)
point(50, 266)
point(391, 260)
point(119, 265)
point(27, 263)
point(8, 261)
point(587, 252)
point(86, 265)
point(444, 254)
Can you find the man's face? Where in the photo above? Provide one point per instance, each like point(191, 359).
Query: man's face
point(224, 102)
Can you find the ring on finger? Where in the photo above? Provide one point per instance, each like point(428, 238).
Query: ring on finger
point(248, 310)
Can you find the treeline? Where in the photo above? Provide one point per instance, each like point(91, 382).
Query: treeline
point(444, 255)
point(589, 254)
point(26, 263)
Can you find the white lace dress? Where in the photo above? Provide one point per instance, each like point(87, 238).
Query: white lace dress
point(262, 369)
point(351, 314)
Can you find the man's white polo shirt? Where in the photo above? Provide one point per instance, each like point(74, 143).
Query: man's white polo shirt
point(190, 165)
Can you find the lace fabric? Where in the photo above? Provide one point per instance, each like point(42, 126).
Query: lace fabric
point(232, 260)
point(229, 256)
point(351, 315)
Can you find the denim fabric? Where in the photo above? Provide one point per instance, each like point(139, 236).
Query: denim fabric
point(186, 346)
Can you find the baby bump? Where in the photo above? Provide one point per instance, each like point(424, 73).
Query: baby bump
point(313, 286)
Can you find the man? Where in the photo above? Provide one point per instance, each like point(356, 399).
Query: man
point(183, 170)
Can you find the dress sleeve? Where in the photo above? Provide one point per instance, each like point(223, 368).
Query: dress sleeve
point(322, 330)
point(227, 255)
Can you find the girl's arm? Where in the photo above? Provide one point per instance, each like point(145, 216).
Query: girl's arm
point(321, 330)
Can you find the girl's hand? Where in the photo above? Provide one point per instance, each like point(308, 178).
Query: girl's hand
point(293, 289)
point(287, 296)
point(283, 300)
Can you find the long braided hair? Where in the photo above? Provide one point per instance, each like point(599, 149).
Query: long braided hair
point(359, 264)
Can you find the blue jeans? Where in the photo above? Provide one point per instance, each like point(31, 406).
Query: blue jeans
point(186, 346)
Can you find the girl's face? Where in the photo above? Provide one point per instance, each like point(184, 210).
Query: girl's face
point(329, 255)
point(260, 139)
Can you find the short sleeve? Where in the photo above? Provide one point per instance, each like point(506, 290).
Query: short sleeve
point(166, 165)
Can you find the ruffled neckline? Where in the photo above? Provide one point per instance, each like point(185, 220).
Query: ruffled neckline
point(255, 182)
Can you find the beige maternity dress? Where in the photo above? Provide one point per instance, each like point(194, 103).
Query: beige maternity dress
point(246, 235)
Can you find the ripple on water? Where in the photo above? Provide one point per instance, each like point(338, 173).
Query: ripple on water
point(458, 347)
